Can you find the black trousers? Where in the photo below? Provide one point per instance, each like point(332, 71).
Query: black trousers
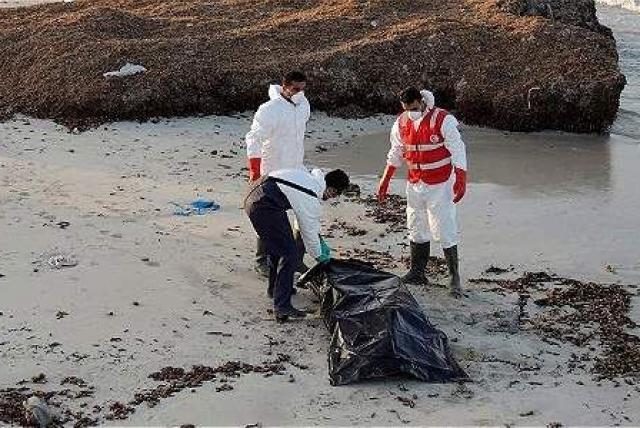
point(262, 257)
point(267, 208)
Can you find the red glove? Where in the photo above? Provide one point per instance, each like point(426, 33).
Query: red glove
point(460, 186)
point(254, 168)
point(383, 186)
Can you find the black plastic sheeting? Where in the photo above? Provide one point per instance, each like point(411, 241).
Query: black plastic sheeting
point(377, 327)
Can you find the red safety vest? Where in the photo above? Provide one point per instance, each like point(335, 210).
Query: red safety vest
point(427, 157)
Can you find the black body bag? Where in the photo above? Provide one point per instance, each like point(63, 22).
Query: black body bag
point(377, 328)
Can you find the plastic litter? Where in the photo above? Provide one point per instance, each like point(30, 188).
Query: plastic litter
point(377, 327)
point(60, 261)
point(37, 411)
point(126, 70)
point(197, 207)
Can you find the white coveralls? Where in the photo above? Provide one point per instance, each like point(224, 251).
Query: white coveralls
point(277, 132)
point(431, 213)
point(307, 209)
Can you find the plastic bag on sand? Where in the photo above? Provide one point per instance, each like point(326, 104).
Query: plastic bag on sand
point(60, 261)
point(198, 207)
point(126, 70)
point(377, 327)
point(37, 412)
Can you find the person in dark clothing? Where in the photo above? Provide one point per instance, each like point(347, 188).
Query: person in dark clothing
point(267, 203)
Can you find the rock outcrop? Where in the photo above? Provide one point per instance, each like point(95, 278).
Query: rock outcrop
point(511, 64)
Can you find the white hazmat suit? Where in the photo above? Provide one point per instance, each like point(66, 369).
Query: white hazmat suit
point(277, 132)
point(276, 141)
point(431, 212)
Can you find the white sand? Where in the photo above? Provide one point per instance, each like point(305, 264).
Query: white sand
point(114, 184)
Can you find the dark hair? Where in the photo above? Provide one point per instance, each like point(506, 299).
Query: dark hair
point(337, 179)
point(293, 76)
point(410, 94)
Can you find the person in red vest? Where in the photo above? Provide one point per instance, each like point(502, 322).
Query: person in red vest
point(427, 139)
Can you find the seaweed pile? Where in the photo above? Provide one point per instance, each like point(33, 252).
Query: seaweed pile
point(511, 64)
point(173, 380)
point(580, 313)
point(391, 213)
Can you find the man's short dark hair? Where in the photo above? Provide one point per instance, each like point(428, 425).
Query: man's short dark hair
point(294, 76)
point(337, 179)
point(410, 94)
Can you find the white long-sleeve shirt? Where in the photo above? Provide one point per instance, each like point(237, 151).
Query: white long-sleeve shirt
point(452, 141)
point(307, 209)
point(277, 132)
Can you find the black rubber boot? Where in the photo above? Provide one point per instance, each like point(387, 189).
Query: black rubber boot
point(451, 255)
point(270, 292)
point(291, 313)
point(419, 259)
point(262, 259)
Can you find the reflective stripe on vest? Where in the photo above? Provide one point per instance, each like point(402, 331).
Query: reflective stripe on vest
point(432, 165)
point(423, 147)
point(434, 117)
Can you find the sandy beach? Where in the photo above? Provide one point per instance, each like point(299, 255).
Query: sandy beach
point(146, 289)
point(152, 289)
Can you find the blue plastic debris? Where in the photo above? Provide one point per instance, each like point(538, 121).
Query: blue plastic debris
point(197, 207)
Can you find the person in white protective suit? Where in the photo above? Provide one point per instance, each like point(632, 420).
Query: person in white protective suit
point(276, 141)
point(427, 139)
point(267, 203)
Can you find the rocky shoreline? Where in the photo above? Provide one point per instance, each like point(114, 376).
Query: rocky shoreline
point(519, 65)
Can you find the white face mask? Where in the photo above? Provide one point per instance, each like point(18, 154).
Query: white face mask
point(414, 115)
point(297, 97)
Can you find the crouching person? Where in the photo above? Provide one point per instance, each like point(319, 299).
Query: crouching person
point(267, 203)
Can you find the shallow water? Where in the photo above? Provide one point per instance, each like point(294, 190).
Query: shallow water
point(633, 5)
point(626, 28)
point(565, 202)
point(528, 163)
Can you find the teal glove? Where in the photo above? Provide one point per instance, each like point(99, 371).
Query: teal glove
point(325, 254)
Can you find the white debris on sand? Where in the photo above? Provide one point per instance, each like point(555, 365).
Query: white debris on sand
point(37, 411)
point(126, 70)
point(61, 261)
